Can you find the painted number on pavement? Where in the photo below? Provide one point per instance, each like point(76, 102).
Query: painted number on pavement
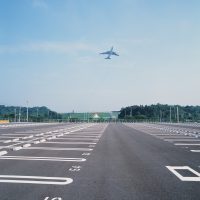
point(86, 154)
point(75, 168)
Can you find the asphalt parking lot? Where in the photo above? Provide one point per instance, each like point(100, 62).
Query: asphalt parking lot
point(35, 156)
point(99, 161)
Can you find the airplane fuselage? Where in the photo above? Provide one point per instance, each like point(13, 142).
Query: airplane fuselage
point(110, 53)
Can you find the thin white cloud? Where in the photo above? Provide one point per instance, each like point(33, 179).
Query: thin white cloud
point(85, 52)
point(40, 4)
point(45, 47)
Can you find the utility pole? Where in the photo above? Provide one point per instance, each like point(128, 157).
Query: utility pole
point(160, 115)
point(27, 111)
point(177, 114)
point(131, 112)
point(15, 115)
point(37, 115)
point(19, 114)
point(170, 115)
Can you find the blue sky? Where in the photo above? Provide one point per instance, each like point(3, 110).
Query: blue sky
point(49, 53)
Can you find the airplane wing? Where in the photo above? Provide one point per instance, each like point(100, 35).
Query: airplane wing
point(107, 52)
point(113, 53)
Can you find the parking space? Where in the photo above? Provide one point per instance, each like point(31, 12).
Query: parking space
point(183, 137)
point(34, 156)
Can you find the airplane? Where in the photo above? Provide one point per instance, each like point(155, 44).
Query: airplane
point(110, 53)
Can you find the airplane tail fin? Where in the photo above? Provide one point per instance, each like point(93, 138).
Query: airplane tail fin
point(107, 58)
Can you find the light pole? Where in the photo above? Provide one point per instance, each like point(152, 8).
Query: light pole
point(131, 112)
point(48, 115)
point(160, 116)
point(37, 112)
point(15, 115)
point(37, 115)
point(19, 114)
point(177, 115)
point(27, 111)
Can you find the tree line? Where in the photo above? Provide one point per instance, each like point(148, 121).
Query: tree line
point(161, 113)
point(35, 114)
point(153, 113)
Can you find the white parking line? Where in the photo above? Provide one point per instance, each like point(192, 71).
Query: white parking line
point(59, 149)
point(27, 137)
point(15, 140)
point(184, 140)
point(175, 137)
point(3, 153)
point(86, 132)
point(197, 151)
point(40, 134)
point(16, 148)
point(184, 178)
point(79, 135)
point(82, 136)
point(69, 143)
point(26, 145)
point(55, 159)
point(76, 139)
point(187, 144)
point(162, 134)
point(7, 141)
point(10, 137)
point(26, 132)
point(15, 134)
point(7, 147)
point(35, 180)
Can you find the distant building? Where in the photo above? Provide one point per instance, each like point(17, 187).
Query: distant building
point(96, 116)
